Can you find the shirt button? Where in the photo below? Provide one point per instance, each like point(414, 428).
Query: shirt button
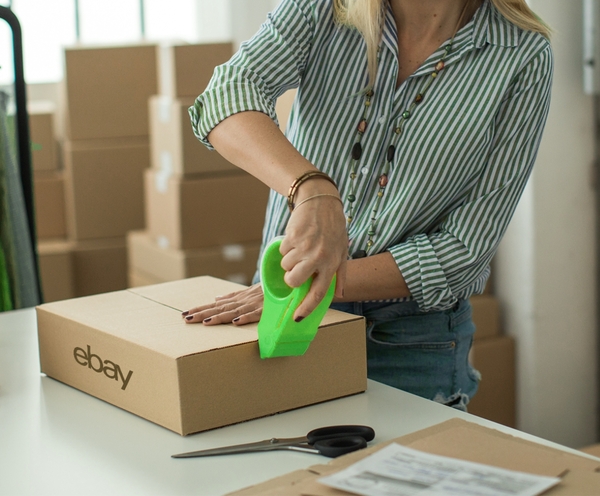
point(382, 119)
point(365, 170)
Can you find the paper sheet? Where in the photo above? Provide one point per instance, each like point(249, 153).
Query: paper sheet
point(400, 471)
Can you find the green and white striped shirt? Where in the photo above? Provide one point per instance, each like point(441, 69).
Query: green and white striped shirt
point(461, 162)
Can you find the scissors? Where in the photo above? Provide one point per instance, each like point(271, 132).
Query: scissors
point(331, 441)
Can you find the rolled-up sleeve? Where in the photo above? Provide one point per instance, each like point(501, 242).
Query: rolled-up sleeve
point(440, 266)
point(264, 67)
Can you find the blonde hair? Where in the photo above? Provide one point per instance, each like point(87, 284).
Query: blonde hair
point(367, 17)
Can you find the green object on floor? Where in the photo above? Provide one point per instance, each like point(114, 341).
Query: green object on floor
point(5, 293)
point(278, 334)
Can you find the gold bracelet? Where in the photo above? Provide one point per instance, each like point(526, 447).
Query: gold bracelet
point(291, 200)
point(317, 196)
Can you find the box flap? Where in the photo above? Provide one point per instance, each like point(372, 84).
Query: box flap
point(150, 316)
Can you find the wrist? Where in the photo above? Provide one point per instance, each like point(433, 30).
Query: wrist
point(308, 184)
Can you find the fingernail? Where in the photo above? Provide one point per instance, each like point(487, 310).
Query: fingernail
point(236, 319)
point(208, 319)
point(299, 319)
point(189, 317)
point(183, 314)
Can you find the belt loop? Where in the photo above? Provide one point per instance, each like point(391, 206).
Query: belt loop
point(358, 308)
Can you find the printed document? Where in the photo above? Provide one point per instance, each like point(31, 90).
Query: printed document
point(400, 471)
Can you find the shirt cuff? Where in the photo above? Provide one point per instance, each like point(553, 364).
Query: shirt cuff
point(423, 274)
point(220, 101)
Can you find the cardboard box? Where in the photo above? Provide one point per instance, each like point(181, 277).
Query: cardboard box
point(173, 146)
point(486, 316)
point(283, 108)
point(56, 270)
point(106, 90)
point(44, 154)
point(132, 349)
point(455, 438)
point(489, 286)
point(104, 187)
point(496, 398)
point(138, 278)
point(186, 69)
point(99, 266)
point(49, 196)
point(236, 263)
point(593, 449)
point(201, 211)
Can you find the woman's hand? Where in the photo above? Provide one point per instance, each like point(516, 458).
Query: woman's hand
point(241, 307)
point(315, 244)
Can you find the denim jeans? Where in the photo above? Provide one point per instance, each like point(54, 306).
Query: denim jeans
point(426, 354)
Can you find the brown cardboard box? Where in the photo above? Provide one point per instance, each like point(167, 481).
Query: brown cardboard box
point(104, 187)
point(56, 270)
point(137, 278)
point(593, 449)
point(132, 349)
point(486, 316)
point(99, 266)
point(489, 287)
point(201, 211)
point(283, 108)
point(106, 90)
point(236, 263)
point(49, 195)
point(173, 146)
point(186, 69)
point(495, 360)
point(44, 155)
point(455, 438)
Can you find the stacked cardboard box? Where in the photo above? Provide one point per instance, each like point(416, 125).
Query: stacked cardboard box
point(283, 108)
point(204, 216)
point(106, 150)
point(493, 354)
point(48, 185)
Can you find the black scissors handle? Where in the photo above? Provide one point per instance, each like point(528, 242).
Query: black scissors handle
point(337, 440)
point(340, 431)
point(335, 447)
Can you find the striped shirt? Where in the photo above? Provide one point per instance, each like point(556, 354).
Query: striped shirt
point(461, 162)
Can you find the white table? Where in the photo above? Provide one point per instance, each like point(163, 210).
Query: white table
point(56, 440)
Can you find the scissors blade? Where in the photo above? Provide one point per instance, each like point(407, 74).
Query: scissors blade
point(266, 445)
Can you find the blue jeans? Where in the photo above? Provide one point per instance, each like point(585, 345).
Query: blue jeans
point(423, 353)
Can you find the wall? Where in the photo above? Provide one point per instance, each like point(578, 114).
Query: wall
point(247, 16)
point(546, 267)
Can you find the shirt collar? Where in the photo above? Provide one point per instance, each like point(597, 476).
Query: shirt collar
point(487, 26)
point(493, 29)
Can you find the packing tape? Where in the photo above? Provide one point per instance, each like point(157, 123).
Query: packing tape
point(166, 69)
point(233, 253)
point(163, 242)
point(164, 109)
point(238, 278)
point(162, 176)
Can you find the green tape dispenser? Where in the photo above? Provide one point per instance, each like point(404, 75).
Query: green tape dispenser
point(278, 334)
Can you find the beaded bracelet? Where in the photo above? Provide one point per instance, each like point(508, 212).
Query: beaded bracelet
point(317, 196)
point(291, 200)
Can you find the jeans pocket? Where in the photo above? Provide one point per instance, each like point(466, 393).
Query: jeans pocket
point(414, 332)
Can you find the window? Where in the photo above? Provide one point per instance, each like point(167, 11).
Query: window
point(49, 25)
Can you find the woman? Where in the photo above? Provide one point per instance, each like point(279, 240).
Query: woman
point(414, 131)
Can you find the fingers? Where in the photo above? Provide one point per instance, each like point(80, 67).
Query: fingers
point(225, 314)
point(315, 295)
point(240, 307)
